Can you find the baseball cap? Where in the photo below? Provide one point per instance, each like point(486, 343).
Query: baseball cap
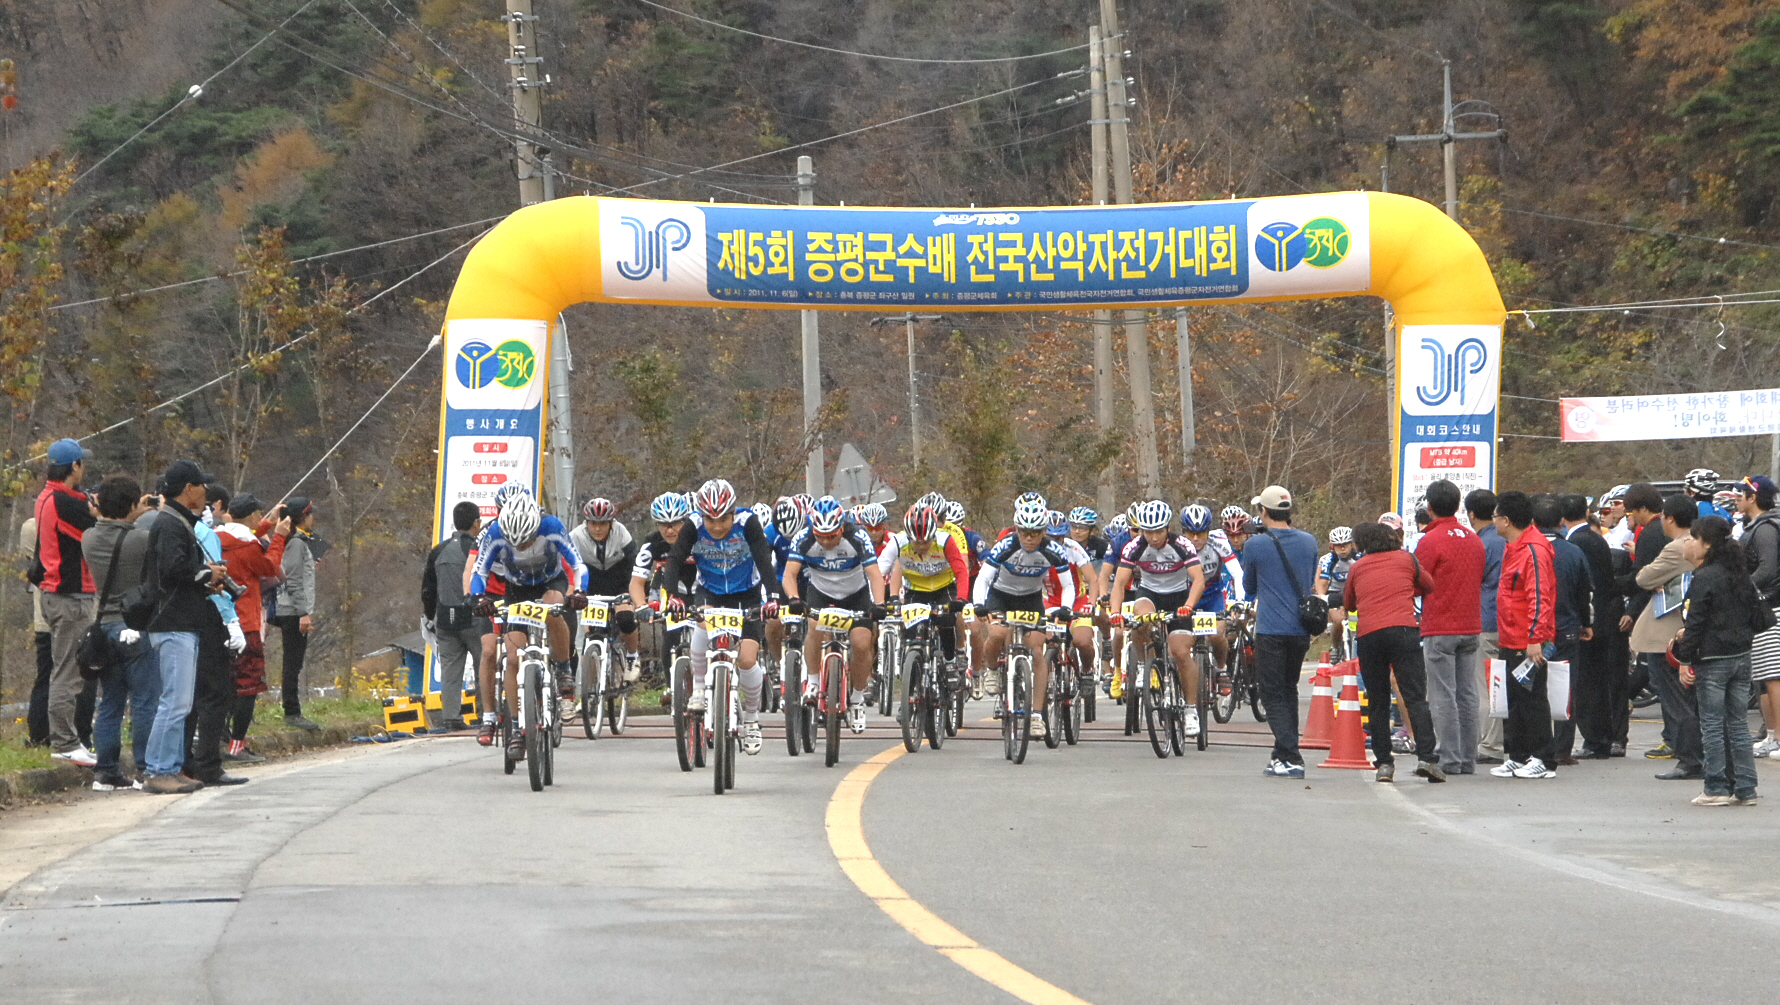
point(244, 505)
point(1757, 484)
point(66, 451)
point(297, 507)
point(179, 474)
point(1274, 497)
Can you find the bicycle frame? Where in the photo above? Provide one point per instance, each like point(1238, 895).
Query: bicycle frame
point(723, 685)
point(535, 717)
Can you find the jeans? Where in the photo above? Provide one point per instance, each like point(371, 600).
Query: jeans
point(1678, 709)
point(1526, 733)
point(1398, 651)
point(296, 646)
point(135, 681)
point(1451, 662)
point(1721, 686)
point(1279, 662)
point(176, 656)
point(68, 615)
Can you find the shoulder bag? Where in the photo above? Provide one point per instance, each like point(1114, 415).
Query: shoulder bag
point(1313, 612)
point(95, 651)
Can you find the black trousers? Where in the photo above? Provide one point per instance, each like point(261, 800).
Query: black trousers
point(1527, 733)
point(296, 647)
point(1619, 686)
point(1679, 709)
point(1279, 662)
point(1563, 730)
point(241, 715)
point(37, 715)
point(1381, 653)
point(1591, 691)
point(212, 699)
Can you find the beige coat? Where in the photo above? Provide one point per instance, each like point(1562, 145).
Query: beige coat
point(1651, 634)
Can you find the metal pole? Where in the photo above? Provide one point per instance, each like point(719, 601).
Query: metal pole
point(1183, 353)
point(1448, 147)
point(814, 467)
point(914, 402)
point(1390, 330)
point(562, 422)
point(526, 81)
point(1106, 488)
point(1774, 457)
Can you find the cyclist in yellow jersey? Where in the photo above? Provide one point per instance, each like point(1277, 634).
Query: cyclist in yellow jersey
point(926, 566)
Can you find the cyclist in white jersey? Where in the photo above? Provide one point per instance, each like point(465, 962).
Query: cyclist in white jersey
point(1013, 580)
point(1170, 579)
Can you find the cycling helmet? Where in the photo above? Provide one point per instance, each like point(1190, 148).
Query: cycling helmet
point(1152, 515)
point(955, 512)
point(506, 492)
point(871, 514)
point(787, 516)
point(1083, 516)
point(1196, 519)
point(1056, 524)
point(1235, 520)
point(1341, 535)
point(1030, 512)
point(920, 522)
point(598, 510)
point(715, 499)
point(519, 518)
point(933, 501)
point(1701, 482)
point(669, 507)
point(827, 515)
point(763, 513)
point(1614, 494)
point(1727, 500)
point(1118, 525)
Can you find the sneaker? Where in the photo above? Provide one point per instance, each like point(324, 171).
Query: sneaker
point(79, 755)
point(1660, 752)
point(242, 756)
point(696, 703)
point(1431, 771)
point(1534, 768)
point(1767, 747)
point(301, 722)
point(856, 717)
point(1038, 724)
point(1401, 743)
point(992, 681)
point(170, 785)
point(565, 684)
point(1280, 769)
point(750, 738)
point(1191, 723)
point(485, 734)
point(1617, 750)
point(1708, 799)
point(1746, 800)
point(113, 783)
point(633, 668)
point(1506, 769)
point(1115, 686)
point(1387, 772)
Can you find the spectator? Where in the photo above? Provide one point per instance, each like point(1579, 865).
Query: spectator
point(1617, 530)
point(1526, 619)
point(293, 607)
point(1643, 511)
point(37, 711)
point(132, 678)
point(1277, 569)
point(65, 588)
point(250, 556)
point(449, 617)
point(1597, 679)
point(1570, 569)
point(1480, 506)
point(1451, 621)
point(1382, 586)
point(1651, 634)
point(1761, 553)
point(206, 728)
point(181, 584)
point(1723, 614)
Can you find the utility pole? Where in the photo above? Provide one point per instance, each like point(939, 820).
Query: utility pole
point(526, 81)
point(1106, 489)
point(908, 320)
point(814, 467)
point(1137, 339)
point(1447, 136)
point(1184, 362)
point(1390, 327)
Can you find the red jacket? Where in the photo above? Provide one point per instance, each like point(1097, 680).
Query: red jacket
point(1526, 599)
point(1453, 557)
point(248, 562)
point(62, 517)
point(1382, 588)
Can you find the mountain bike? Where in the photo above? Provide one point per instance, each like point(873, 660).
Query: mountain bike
point(926, 692)
point(836, 626)
point(1063, 706)
point(605, 694)
point(1130, 668)
point(1015, 711)
point(723, 691)
point(537, 722)
point(1205, 625)
point(883, 672)
point(799, 699)
point(689, 725)
point(1239, 682)
point(1159, 690)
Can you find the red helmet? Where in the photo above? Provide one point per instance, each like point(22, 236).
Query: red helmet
point(921, 522)
point(598, 510)
point(715, 498)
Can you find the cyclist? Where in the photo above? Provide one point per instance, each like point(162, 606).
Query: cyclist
point(1701, 484)
point(735, 567)
point(528, 551)
point(1215, 554)
point(1331, 578)
point(1118, 531)
point(833, 564)
point(1083, 523)
point(974, 545)
point(1238, 525)
point(649, 582)
point(1173, 578)
point(1013, 580)
point(925, 566)
point(789, 516)
point(1087, 583)
point(875, 521)
point(609, 554)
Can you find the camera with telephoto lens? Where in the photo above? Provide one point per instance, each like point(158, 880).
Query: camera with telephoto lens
point(235, 590)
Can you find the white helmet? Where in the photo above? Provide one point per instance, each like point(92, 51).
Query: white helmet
point(520, 518)
point(1030, 512)
point(1152, 515)
point(1341, 535)
point(955, 512)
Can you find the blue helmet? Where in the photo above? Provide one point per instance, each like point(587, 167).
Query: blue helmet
point(669, 507)
point(1056, 524)
point(826, 516)
point(1196, 519)
point(1083, 516)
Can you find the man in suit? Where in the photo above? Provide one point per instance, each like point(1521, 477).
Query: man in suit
point(1593, 687)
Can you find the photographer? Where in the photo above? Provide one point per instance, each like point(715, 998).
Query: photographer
point(251, 556)
point(220, 640)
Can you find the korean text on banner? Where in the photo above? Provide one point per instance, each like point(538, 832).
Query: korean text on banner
point(1448, 379)
point(1670, 416)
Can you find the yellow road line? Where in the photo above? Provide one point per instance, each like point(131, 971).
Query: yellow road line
point(846, 838)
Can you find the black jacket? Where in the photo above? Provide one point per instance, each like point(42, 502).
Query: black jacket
point(174, 568)
point(1722, 615)
point(1604, 593)
point(1761, 542)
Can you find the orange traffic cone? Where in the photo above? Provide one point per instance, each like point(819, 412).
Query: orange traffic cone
point(1320, 725)
point(1348, 748)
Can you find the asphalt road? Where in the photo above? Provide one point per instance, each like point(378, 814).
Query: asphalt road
point(1095, 873)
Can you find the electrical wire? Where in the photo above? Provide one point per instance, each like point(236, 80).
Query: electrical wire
point(865, 55)
point(424, 353)
point(1623, 226)
point(1356, 19)
point(1708, 301)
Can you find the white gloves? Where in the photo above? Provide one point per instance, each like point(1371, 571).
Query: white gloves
point(429, 632)
point(129, 636)
point(237, 641)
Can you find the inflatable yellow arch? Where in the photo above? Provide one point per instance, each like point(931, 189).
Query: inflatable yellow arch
point(544, 258)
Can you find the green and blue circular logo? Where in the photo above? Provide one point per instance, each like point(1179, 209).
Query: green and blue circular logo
point(1320, 243)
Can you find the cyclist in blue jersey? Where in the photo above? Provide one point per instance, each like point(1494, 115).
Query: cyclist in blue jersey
point(1701, 485)
point(735, 569)
point(1013, 579)
point(1331, 581)
point(834, 564)
point(1198, 526)
point(974, 545)
point(530, 552)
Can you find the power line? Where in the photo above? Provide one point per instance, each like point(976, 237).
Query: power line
point(1623, 226)
point(424, 353)
point(850, 52)
point(1356, 19)
point(1713, 300)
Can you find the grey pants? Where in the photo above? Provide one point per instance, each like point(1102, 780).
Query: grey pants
point(1489, 730)
point(68, 615)
point(1452, 698)
point(454, 646)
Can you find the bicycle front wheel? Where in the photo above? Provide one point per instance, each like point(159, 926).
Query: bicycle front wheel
point(910, 708)
point(1134, 681)
point(722, 745)
point(792, 703)
point(834, 702)
point(1151, 702)
point(685, 722)
point(591, 681)
point(1204, 704)
point(1019, 685)
point(536, 742)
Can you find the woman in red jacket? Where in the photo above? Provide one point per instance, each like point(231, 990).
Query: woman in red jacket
point(1382, 587)
point(250, 557)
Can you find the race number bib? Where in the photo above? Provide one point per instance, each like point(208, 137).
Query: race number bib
point(914, 614)
point(596, 614)
point(527, 615)
point(723, 621)
point(1022, 617)
point(1205, 623)
point(836, 619)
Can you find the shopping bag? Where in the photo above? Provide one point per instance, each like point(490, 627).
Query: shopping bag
point(1557, 689)
point(1498, 689)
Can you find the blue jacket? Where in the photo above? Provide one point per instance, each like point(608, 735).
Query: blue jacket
point(1274, 587)
point(1492, 572)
